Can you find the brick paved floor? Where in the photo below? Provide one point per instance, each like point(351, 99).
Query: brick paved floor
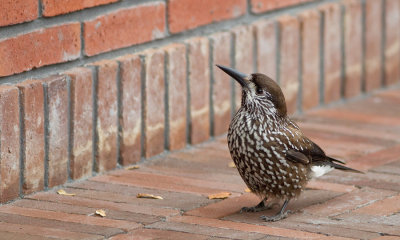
point(366, 133)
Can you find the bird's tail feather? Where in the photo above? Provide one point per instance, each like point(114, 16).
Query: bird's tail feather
point(343, 168)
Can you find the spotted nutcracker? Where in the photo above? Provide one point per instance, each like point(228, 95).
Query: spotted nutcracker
point(271, 153)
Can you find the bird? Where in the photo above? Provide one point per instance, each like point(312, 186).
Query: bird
point(273, 156)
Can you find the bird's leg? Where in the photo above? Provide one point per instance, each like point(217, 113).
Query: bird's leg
point(281, 215)
point(260, 207)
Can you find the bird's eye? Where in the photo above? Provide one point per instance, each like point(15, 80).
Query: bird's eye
point(259, 91)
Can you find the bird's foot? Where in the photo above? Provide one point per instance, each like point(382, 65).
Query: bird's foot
point(260, 207)
point(277, 217)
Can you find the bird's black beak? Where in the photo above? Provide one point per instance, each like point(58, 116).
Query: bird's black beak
point(238, 76)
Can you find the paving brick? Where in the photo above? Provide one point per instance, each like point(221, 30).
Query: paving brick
point(114, 30)
point(10, 235)
point(353, 47)
point(310, 35)
point(289, 60)
point(392, 43)
point(131, 97)
point(42, 232)
point(390, 168)
point(32, 100)
point(9, 143)
point(243, 56)
point(39, 48)
point(335, 187)
point(260, 6)
point(81, 163)
point(266, 37)
point(384, 207)
point(154, 105)
point(57, 130)
point(373, 41)
point(61, 225)
point(177, 95)
point(221, 86)
point(376, 159)
point(347, 202)
point(332, 52)
point(189, 14)
point(199, 87)
point(156, 233)
point(52, 8)
point(107, 118)
point(18, 11)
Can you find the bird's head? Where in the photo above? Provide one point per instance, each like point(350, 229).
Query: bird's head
point(260, 93)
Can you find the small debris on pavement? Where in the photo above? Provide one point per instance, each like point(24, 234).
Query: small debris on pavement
point(151, 196)
point(63, 192)
point(132, 167)
point(101, 212)
point(232, 165)
point(247, 190)
point(221, 195)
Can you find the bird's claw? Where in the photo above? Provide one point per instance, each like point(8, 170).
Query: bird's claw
point(275, 218)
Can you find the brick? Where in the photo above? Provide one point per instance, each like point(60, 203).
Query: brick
point(199, 86)
point(243, 56)
point(18, 11)
point(156, 233)
point(373, 41)
point(332, 52)
point(266, 37)
point(177, 95)
point(107, 118)
point(334, 187)
point(44, 232)
point(130, 121)
point(32, 101)
point(52, 8)
point(310, 35)
point(353, 48)
point(9, 143)
point(289, 60)
point(154, 105)
point(384, 207)
point(57, 130)
point(13, 235)
point(81, 163)
point(72, 218)
point(189, 14)
point(392, 43)
point(260, 6)
point(114, 30)
point(40, 48)
point(221, 85)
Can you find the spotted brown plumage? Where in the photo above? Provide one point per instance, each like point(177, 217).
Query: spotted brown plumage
point(271, 153)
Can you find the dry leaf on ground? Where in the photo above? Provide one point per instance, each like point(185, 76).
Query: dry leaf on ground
point(132, 167)
point(101, 212)
point(221, 195)
point(247, 190)
point(63, 192)
point(145, 195)
point(231, 165)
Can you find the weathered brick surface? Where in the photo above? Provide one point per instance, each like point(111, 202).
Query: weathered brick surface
point(57, 129)
point(32, 101)
point(81, 162)
point(332, 54)
point(221, 85)
point(392, 43)
point(243, 55)
point(310, 34)
point(199, 86)
point(266, 37)
point(260, 6)
point(53, 8)
point(18, 11)
point(39, 48)
point(154, 105)
point(289, 61)
point(131, 96)
point(352, 47)
point(9, 143)
point(188, 14)
point(114, 30)
point(107, 118)
point(373, 41)
point(177, 95)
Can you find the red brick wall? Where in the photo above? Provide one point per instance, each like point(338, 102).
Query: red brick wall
point(86, 86)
